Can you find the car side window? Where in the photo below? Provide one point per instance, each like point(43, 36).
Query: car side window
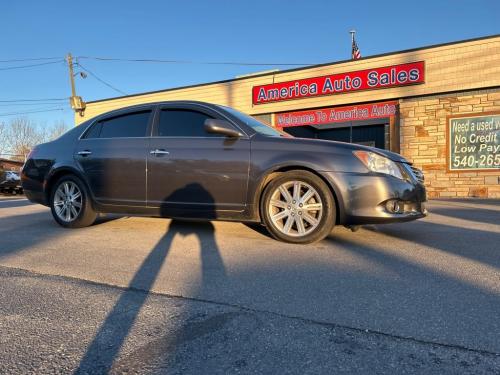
point(123, 126)
point(183, 123)
point(94, 131)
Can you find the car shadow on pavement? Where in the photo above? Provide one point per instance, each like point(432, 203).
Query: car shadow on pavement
point(21, 232)
point(102, 353)
point(474, 244)
point(482, 216)
point(259, 228)
point(106, 218)
point(441, 312)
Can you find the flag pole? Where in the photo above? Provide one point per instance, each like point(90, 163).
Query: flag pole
point(353, 45)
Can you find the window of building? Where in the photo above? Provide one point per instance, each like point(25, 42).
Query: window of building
point(266, 119)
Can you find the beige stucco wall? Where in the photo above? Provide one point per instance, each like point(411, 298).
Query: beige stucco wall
point(454, 67)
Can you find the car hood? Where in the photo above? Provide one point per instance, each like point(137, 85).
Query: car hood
point(389, 155)
point(312, 144)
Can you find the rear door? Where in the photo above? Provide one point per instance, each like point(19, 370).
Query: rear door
point(113, 155)
point(194, 172)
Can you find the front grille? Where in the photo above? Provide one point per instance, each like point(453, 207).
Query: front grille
point(417, 173)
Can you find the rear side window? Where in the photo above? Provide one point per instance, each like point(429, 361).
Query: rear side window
point(94, 131)
point(123, 126)
point(183, 123)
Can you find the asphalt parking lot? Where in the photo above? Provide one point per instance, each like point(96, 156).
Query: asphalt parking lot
point(148, 295)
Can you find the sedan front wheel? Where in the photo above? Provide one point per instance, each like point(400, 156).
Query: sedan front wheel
point(298, 207)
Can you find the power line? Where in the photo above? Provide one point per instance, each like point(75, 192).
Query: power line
point(150, 60)
point(32, 100)
point(28, 104)
point(192, 61)
point(31, 65)
point(100, 80)
point(30, 59)
point(26, 112)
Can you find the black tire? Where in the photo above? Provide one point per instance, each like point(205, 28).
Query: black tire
point(324, 221)
point(86, 215)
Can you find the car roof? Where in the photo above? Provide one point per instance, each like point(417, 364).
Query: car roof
point(215, 107)
point(169, 102)
point(117, 111)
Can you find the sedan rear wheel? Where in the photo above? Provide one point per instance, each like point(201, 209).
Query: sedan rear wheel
point(298, 207)
point(70, 203)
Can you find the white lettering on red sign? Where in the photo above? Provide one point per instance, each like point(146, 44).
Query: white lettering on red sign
point(335, 115)
point(376, 78)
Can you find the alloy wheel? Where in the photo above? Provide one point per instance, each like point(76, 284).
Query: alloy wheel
point(68, 201)
point(295, 208)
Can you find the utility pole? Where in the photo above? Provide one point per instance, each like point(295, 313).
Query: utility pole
point(69, 59)
point(76, 102)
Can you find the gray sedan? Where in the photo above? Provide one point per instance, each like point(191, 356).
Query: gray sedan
point(198, 160)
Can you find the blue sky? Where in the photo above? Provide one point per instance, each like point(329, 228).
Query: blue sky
point(271, 31)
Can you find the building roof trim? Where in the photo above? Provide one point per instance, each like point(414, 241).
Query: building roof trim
point(298, 69)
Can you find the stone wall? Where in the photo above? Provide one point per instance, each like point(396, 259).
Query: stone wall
point(423, 123)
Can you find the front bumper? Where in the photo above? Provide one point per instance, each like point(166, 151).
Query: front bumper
point(364, 198)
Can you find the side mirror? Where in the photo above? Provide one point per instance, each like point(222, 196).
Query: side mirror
point(221, 127)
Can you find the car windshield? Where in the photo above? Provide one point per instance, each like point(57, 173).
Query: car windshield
point(256, 125)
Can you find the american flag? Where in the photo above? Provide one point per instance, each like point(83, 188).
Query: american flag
point(356, 54)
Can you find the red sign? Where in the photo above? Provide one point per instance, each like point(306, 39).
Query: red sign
point(377, 78)
point(335, 114)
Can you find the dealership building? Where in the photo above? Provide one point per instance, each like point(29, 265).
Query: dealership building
point(439, 106)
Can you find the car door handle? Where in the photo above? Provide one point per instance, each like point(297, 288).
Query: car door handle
point(84, 153)
point(159, 152)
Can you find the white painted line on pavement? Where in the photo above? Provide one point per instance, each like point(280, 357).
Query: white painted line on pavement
point(12, 200)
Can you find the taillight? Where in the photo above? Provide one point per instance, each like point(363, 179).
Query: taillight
point(31, 153)
point(29, 156)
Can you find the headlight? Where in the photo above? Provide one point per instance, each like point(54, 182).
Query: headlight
point(377, 163)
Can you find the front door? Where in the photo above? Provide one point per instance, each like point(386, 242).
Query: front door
point(113, 155)
point(194, 172)
point(369, 135)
